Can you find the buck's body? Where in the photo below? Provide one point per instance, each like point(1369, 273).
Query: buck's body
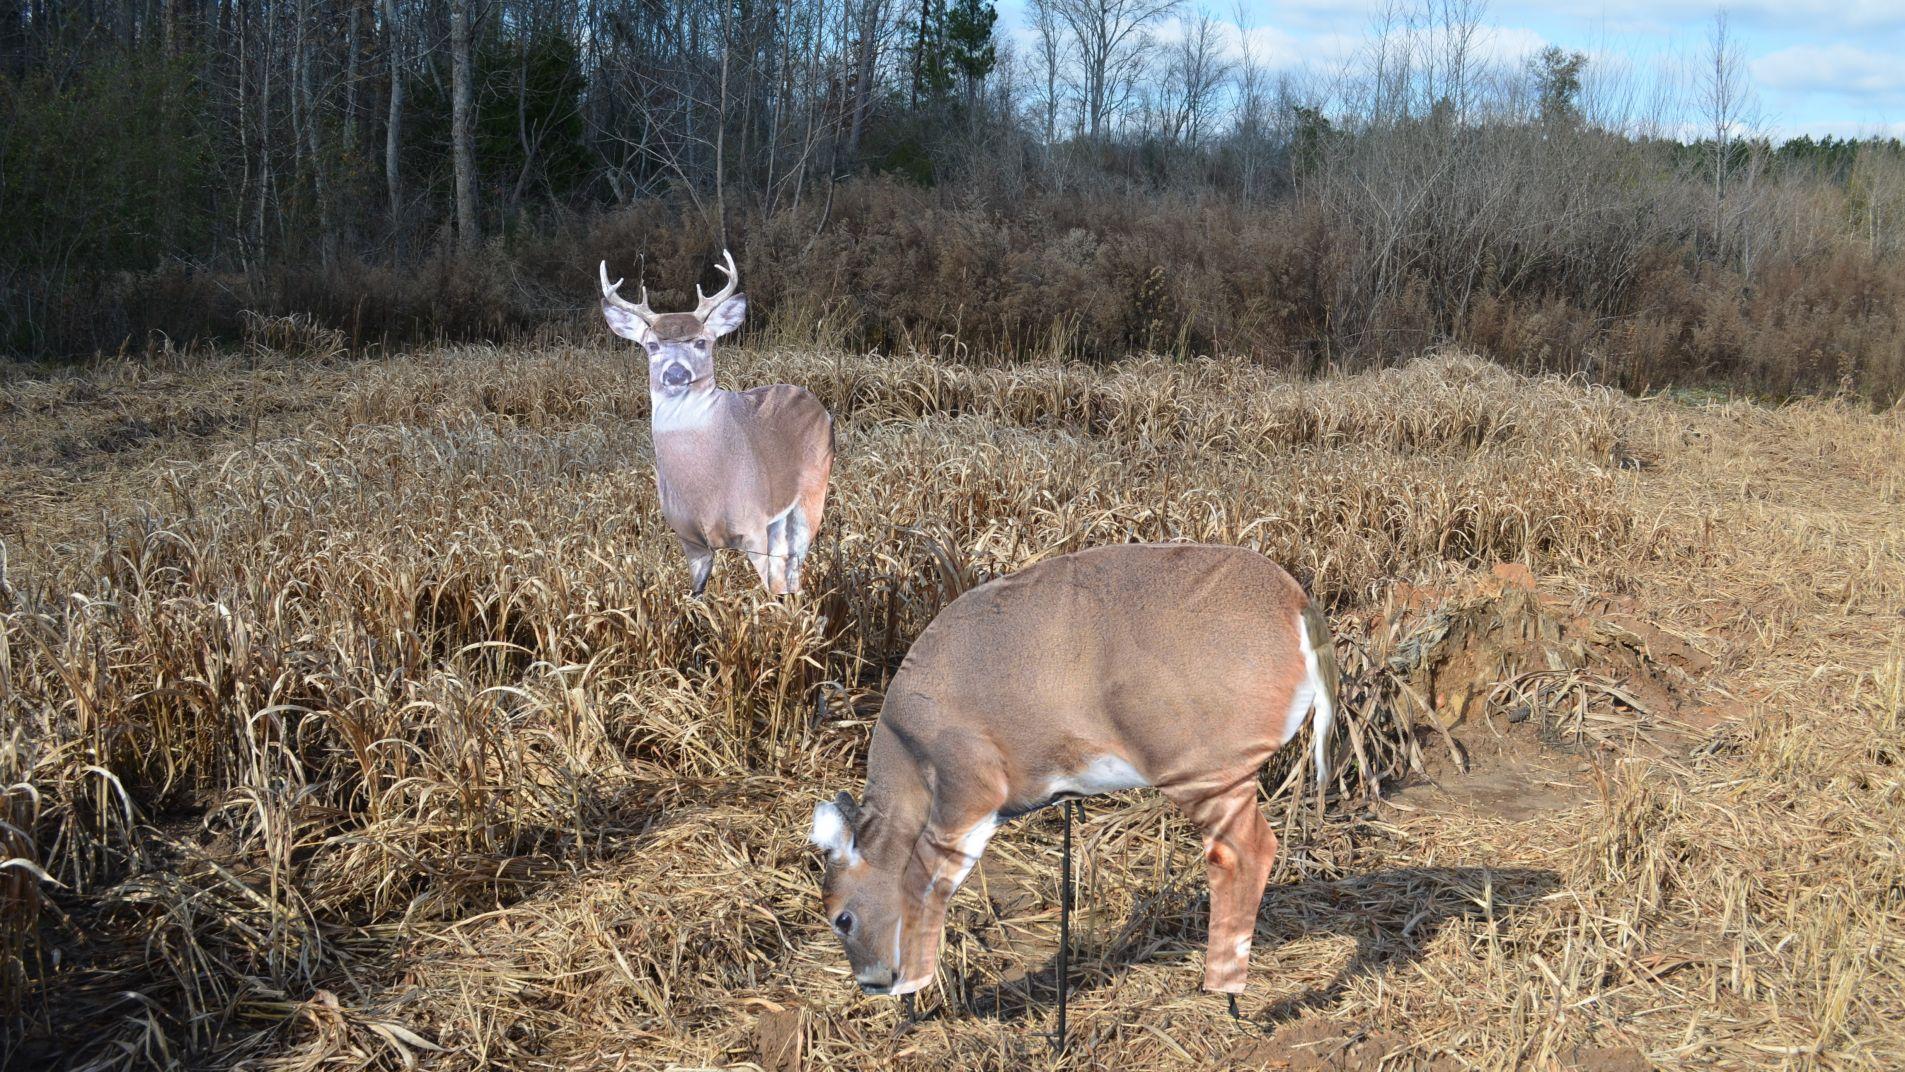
point(1178, 666)
point(722, 462)
point(739, 470)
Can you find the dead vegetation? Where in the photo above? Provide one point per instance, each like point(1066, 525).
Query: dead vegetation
point(354, 717)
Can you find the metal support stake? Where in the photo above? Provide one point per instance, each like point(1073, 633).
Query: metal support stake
point(1059, 1039)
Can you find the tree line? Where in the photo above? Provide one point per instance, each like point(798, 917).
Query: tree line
point(168, 165)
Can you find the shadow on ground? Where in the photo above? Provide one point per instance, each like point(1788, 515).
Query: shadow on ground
point(1392, 915)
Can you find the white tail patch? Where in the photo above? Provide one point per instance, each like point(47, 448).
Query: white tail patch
point(1301, 702)
point(1319, 698)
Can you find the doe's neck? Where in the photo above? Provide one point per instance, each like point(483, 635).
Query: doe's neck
point(898, 798)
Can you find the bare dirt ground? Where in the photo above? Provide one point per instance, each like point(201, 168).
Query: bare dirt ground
point(356, 721)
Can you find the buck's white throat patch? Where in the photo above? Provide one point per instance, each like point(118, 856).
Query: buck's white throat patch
point(688, 410)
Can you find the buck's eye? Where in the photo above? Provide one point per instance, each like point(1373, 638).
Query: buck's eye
point(843, 923)
point(653, 348)
point(701, 345)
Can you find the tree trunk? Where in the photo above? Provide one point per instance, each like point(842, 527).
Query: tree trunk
point(307, 94)
point(352, 52)
point(393, 129)
point(868, 49)
point(462, 124)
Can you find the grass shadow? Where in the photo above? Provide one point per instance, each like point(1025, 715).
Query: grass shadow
point(1391, 914)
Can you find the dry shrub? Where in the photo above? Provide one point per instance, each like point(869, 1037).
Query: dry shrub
point(1107, 271)
point(383, 729)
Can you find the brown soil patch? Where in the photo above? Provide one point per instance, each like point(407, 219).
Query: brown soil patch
point(1521, 695)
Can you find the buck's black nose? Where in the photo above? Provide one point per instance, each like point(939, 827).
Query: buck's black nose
point(676, 376)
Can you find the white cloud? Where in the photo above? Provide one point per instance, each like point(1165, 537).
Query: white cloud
point(1816, 15)
point(1815, 65)
point(1832, 68)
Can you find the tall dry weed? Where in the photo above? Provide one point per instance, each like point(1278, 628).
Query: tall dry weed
point(398, 680)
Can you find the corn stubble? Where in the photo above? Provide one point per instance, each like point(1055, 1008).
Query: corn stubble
point(381, 733)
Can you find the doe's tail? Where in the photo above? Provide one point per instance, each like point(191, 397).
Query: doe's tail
point(1319, 655)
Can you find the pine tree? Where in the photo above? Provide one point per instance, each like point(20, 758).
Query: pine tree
point(931, 76)
point(969, 47)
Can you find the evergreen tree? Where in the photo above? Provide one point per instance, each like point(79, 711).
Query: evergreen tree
point(1557, 85)
point(969, 47)
point(931, 75)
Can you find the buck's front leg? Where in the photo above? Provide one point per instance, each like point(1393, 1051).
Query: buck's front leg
point(700, 565)
point(768, 552)
point(1239, 849)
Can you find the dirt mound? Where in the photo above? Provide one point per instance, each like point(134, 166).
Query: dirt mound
point(1519, 693)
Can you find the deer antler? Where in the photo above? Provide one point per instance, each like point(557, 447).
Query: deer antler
point(611, 297)
point(709, 303)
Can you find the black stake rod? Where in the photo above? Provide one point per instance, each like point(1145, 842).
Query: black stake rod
point(1064, 928)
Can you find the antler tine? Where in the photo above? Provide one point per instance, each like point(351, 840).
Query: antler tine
point(611, 295)
point(710, 303)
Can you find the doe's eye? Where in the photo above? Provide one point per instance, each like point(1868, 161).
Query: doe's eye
point(843, 922)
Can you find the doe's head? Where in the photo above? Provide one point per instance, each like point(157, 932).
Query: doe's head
point(888, 922)
point(680, 346)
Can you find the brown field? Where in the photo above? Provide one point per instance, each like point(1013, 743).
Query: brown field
point(354, 717)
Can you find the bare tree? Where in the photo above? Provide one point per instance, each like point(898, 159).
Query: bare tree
point(393, 128)
point(1252, 113)
point(1109, 38)
point(1195, 75)
point(871, 25)
point(1726, 109)
point(1049, 49)
point(463, 124)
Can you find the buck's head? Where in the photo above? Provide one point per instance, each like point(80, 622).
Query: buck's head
point(680, 346)
point(884, 908)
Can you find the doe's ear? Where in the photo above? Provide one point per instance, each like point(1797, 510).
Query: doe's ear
point(832, 832)
point(626, 324)
point(728, 315)
point(844, 801)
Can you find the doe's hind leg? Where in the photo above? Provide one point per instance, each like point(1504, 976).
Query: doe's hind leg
point(1239, 849)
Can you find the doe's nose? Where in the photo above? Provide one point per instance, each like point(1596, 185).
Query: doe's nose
point(676, 376)
point(875, 980)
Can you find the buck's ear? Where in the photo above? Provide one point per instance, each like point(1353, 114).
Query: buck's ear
point(728, 315)
point(832, 833)
point(626, 324)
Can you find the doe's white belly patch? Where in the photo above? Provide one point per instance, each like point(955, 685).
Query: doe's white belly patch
point(1106, 774)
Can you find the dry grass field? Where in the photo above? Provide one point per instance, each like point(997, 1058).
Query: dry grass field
point(353, 716)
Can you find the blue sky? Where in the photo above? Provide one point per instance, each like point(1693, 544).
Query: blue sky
point(1817, 66)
